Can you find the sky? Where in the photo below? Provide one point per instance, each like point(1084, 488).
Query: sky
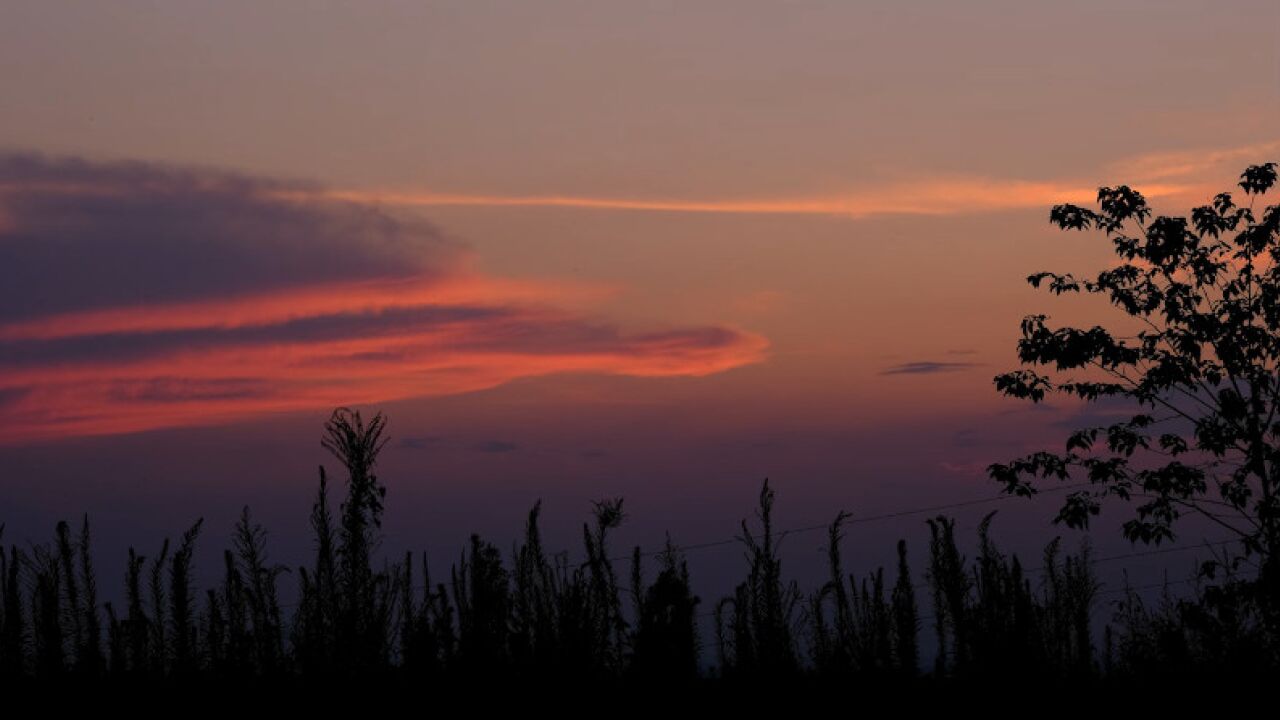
point(573, 250)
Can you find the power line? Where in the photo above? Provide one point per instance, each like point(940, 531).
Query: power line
point(694, 547)
point(847, 521)
point(906, 513)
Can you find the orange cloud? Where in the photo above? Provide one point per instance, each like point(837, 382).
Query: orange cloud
point(136, 297)
point(217, 372)
point(186, 390)
point(265, 308)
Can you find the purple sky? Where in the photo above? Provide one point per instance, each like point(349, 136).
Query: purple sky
point(574, 251)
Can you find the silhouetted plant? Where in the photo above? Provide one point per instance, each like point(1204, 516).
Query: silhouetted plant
point(13, 630)
point(259, 595)
point(232, 611)
point(547, 618)
point(157, 641)
point(992, 623)
point(362, 643)
point(137, 626)
point(481, 595)
point(604, 603)
point(951, 587)
point(1070, 592)
point(833, 645)
point(855, 627)
point(1221, 631)
point(536, 645)
point(316, 621)
point(1199, 376)
point(46, 613)
point(70, 590)
point(1003, 635)
point(182, 604)
point(906, 620)
point(89, 660)
point(428, 634)
point(665, 642)
point(760, 636)
point(214, 640)
point(80, 599)
point(117, 642)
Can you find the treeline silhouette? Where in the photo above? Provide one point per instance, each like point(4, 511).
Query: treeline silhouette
point(535, 616)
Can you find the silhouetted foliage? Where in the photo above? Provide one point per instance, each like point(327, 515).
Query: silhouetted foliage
point(13, 631)
point(867, 632)
point(536, 617)
point(364, 601)
point(665, 645)
point(906, 620)
point(1218, 631)
point(1196, 370)
point(1193, 366)
point(759, 636)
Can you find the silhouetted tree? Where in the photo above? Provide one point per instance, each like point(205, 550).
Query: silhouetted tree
point(1195, 366)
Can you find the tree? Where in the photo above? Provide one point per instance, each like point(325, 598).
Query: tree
point(1194, 373)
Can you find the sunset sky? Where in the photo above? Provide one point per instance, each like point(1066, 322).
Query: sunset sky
point(574, 250)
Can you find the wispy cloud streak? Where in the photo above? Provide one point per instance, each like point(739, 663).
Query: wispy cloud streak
point(949, 197)
point(927, 367)
point(1160, 175)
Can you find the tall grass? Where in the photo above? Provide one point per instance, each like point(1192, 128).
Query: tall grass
point(532, 615)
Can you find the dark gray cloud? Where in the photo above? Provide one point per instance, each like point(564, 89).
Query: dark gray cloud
point(927, 367)
point(495, 446)
point(78, 235)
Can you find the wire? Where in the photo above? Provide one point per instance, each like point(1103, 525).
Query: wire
point(848, 521)
point(693, 547)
